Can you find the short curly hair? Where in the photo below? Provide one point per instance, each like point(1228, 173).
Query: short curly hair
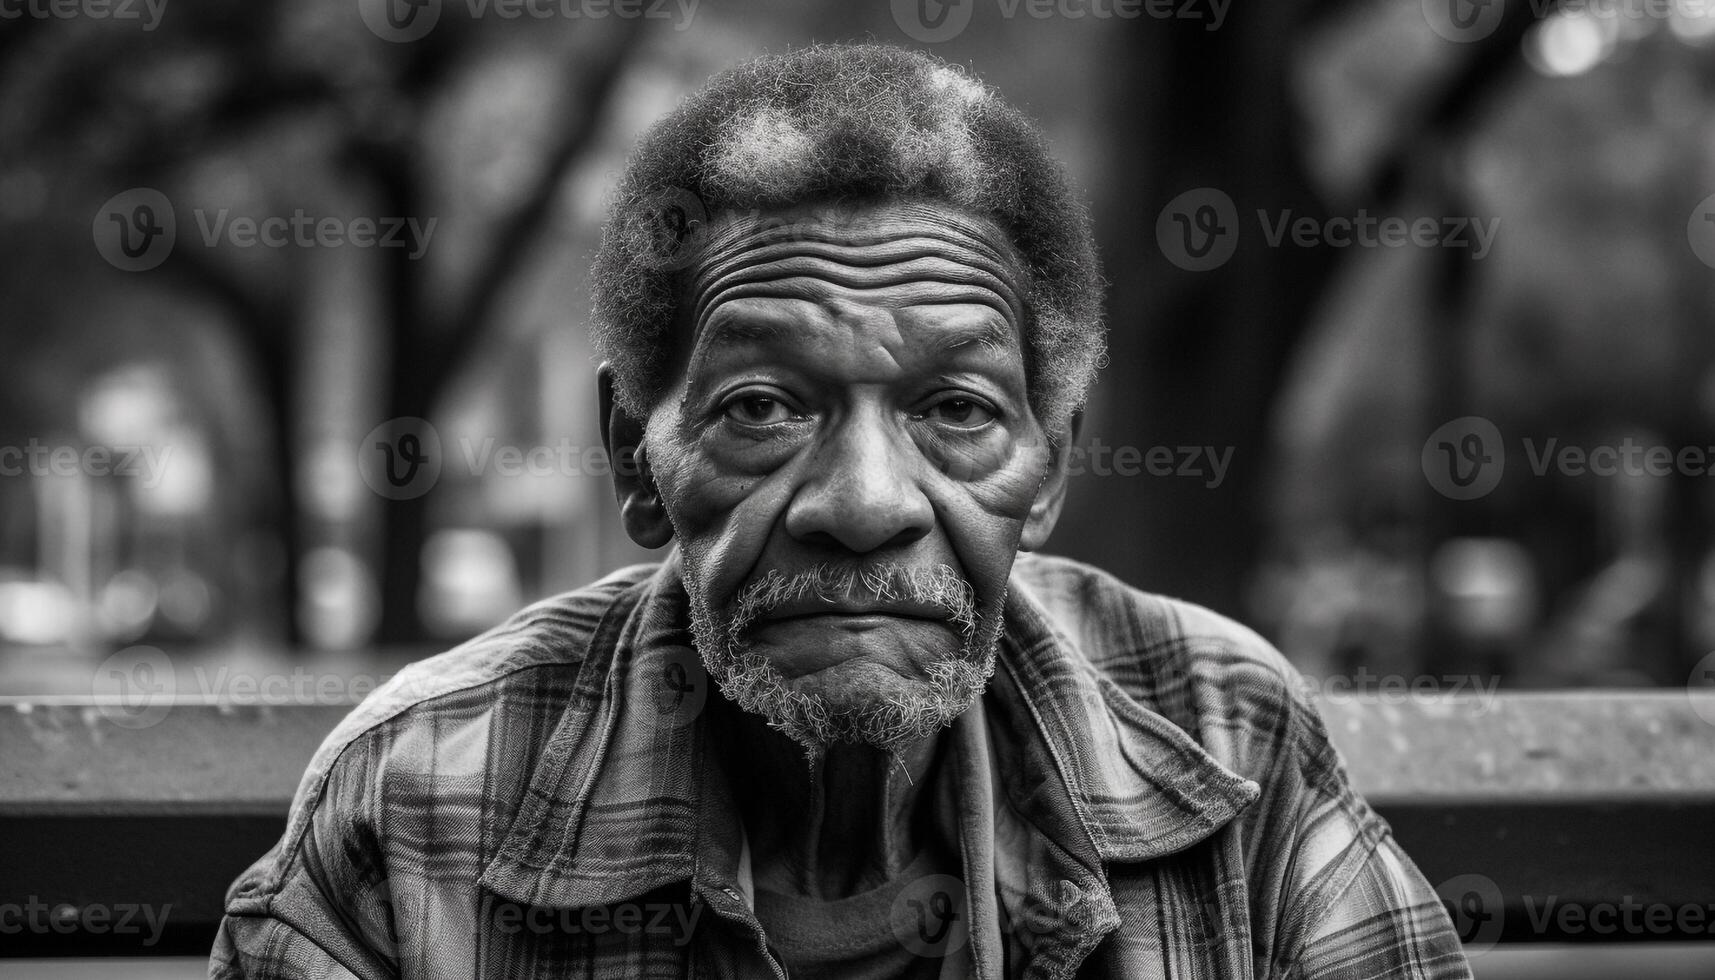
point(845, 124)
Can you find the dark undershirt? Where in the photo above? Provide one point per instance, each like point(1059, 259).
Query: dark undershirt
point(850, 938)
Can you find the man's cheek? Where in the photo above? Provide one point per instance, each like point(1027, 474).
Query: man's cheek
point(997, 459)
point(1006, 493)
point(967, 458)
point(699, 486)
point(724, 520)
point(700, 499)
point(986, 547)
point(984, 520)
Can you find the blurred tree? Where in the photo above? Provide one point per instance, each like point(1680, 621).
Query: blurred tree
point(1205, 354)
point(257, 88)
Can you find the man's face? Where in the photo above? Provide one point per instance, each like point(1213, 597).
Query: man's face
point(848, 461)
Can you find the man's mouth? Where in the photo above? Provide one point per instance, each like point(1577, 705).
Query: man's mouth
point(856, 600)
point(822, 609)
point(851, 622)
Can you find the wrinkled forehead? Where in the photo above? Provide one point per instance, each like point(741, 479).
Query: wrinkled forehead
point(898, 255)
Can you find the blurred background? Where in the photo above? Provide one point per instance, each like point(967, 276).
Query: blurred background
point(1418, 458)
point(240, 379)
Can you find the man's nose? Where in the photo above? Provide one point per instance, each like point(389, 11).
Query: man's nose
point(861, 492)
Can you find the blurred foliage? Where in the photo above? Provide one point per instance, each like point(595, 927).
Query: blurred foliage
point(1325, 368)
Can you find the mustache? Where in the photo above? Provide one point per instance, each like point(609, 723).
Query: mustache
point(914, 587)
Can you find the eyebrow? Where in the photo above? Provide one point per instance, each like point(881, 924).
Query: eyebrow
point(740, 330)
point(995, 336)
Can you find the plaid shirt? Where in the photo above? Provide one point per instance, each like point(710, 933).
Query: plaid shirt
point(542, 801)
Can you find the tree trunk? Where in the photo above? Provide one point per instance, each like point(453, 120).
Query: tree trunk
point(404, 523)
point(278, 378)
point(1196, 357)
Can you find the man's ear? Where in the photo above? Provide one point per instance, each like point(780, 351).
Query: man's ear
point(1045, 511)
point(640, 507)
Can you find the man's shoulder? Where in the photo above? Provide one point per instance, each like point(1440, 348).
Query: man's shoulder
point(442, 718)
point(1143, 638)
point(1211, 676)
point(552, 635)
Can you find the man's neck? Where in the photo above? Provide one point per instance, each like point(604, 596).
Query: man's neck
point(854, 821)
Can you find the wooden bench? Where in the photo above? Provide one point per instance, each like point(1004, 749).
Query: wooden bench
point(1546, 818)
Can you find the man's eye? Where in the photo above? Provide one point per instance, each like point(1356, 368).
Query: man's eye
point(758, 410)
point(966, 413)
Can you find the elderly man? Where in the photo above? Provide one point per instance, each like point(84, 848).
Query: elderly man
point(849, 310)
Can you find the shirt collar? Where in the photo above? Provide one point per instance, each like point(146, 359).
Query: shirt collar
point(1138, 786)
point(627, 796)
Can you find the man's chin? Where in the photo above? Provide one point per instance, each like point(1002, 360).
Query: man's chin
point(851, 687)
point(808, 647)
point(859, 701)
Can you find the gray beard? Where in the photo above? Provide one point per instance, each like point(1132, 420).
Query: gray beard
point(950, 686)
